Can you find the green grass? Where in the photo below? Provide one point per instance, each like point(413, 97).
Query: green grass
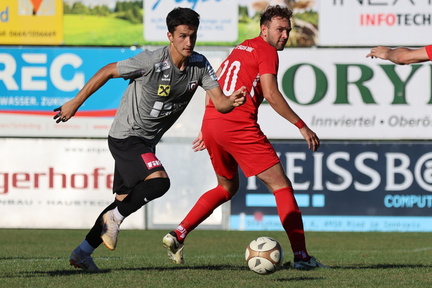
point(39, 258)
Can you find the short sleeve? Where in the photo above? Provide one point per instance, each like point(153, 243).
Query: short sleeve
point(135, 66)
point(429, 51)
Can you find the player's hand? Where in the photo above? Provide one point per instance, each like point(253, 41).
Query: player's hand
point(311, 138)
point(65, 112)
point(198, 143)
point(379, 52)
point(59, 117)
point(239, 97)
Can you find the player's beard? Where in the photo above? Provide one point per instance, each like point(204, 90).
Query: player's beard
point(277, 43)
point(280, 45)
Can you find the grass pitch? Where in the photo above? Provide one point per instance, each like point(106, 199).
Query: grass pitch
point(39, 258)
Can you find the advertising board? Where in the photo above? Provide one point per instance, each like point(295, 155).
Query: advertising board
point(371, 23)
point(66, 183)
point(31, 22)
point(339, 93)
point(56, 183)
point(346, 186)
point(218, 19)
point(34, 81)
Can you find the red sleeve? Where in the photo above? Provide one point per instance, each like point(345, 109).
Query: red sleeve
point(429, 51)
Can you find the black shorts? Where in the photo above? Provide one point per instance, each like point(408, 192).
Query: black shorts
point(134, 161)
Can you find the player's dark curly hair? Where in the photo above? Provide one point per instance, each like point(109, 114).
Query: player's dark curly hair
point(275, 11)
point(182, 16)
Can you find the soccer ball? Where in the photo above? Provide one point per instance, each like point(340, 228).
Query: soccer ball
point(264, 255)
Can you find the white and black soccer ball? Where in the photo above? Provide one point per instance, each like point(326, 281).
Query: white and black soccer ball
point(264, 255)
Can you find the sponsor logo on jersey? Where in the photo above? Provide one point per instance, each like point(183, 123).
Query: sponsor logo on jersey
point(162, 66)
point(161, 109)
point(164, 90)
point(192, 86)
point(244, 48)
point(165, 77)
point(151, 161)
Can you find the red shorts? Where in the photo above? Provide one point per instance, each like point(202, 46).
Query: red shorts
point(230, 147)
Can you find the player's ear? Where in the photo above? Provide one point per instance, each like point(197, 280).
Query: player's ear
point(264, 30)
point(170, 36)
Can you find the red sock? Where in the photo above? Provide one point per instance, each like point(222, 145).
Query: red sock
point(203, 208)
point(291, 220)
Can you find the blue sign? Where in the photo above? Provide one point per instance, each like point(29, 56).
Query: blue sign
point(346, 186)
point(37, 80)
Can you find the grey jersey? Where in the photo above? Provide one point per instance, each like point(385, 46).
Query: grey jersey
point(158, 93)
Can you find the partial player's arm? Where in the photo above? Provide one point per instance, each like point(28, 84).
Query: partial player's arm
point(281, 106)
point(223, 103)
point(400, 56)
point(68, 109)
point(198, 144)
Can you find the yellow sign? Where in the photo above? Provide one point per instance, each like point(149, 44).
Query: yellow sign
point(31, 22)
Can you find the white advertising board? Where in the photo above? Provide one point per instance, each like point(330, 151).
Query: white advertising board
point(66, 183)
point(218, 19)
point(374, 22)
point(47, 183)
point(341, 94)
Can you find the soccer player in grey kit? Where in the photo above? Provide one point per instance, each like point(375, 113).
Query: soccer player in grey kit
point(161, 84)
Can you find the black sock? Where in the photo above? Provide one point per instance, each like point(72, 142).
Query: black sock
point(143, 193)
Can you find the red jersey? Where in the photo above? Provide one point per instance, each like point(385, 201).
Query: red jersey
point(429, 51)
point(243, 67)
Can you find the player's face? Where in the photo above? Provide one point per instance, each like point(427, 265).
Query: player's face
point(277, 32)
point(183, 40)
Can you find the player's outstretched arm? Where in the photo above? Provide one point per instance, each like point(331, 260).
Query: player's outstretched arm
point(68, 109)
point(281, 106)
point(400, 56)
point(226, 104)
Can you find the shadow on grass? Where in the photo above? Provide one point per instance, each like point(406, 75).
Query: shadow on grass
point(188, 267)
point(382, 266)
point(285, 266)
point(67, 273)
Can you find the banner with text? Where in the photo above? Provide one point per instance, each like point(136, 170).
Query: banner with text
point(384, 22)
point(66, 183)
point(34, 81)
point(31, 22)
point(346, 186)
point(218, 19)
point(47, 183)
point(341, 94)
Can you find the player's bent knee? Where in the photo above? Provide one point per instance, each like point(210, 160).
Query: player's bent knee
point(143, 193)
point(155, 188)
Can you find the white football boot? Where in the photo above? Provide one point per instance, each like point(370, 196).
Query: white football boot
point(174, 248)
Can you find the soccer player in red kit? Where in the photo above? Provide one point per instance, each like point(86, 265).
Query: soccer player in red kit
point(236, 139)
